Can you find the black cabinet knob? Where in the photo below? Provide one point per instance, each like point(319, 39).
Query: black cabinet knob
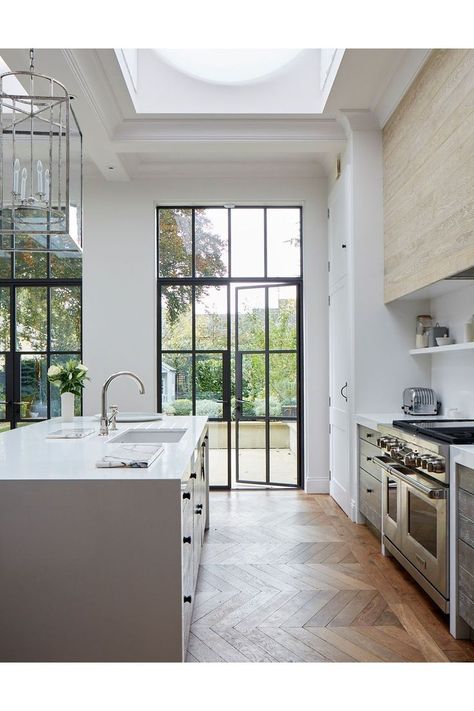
point(187, 598)
point(370, 491)
point(187, 495)
point(199, 506)
point(369, 459)
point(198, 511)
point(192, 475)
point(186, 539)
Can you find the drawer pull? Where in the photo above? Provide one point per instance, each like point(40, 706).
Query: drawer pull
point(187, 598)
point(370, 491)
point(368, 435)
point(192, 475)
point(199, 506)
point(186, 539)
point(187, 495)
point(198, 511)
point(369, 459)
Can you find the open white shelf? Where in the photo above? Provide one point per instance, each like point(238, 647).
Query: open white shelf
point(443, 349)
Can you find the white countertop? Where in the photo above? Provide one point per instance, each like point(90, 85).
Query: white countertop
point(372, 419)
point(26, 454)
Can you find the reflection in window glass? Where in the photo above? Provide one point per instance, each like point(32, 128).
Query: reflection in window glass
point(175, 242)
point(211, 317)
point(176, 318)
point(251, 319)
point(65, 318)
point(283, 242)
point(5, 265)
point(176, 384)
point(31, 318)
point(253, 385)
point(31, 264)
point(209, 384)
point(284, 453)
point(283, 383)
point(282, 317)
point(33, 387)
point(4, 319)
point(66, 266)
point(211, 242)
point(247, 242)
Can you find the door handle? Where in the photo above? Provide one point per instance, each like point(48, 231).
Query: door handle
point(4, 402)
point(344, 387)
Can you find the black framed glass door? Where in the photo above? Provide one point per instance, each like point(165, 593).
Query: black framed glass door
point(267, 384)
point(207, 258)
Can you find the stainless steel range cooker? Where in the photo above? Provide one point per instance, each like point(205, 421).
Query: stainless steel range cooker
point(415, 497)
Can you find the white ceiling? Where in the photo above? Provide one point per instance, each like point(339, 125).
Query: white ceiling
point(294, 139)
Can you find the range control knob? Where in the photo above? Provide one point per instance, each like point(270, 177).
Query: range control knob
point(410, 459)
point(436, 465)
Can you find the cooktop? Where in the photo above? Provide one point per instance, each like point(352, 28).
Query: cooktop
point(450, 431)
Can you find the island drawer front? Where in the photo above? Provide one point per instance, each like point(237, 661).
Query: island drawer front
point(466, 582)
point(369, 435)
point(466, 505)
point(367, 452)
point(466, 479)
point(188, 591)
point(370, 498)
point(466, 530)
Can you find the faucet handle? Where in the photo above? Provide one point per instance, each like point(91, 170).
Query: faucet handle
point(113, 418)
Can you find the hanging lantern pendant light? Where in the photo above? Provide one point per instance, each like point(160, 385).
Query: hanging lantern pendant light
point(34, 155)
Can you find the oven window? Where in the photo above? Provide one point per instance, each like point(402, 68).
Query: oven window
point(422, 523)
point(392, 498)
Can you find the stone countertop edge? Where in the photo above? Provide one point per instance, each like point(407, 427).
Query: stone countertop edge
point(27, 455)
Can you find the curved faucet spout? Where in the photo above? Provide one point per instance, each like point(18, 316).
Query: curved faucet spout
point(104, 420)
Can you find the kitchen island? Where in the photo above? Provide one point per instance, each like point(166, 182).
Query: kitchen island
point(99, 564)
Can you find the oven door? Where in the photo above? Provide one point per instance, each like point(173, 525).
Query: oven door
point(424, 531)
point(391, 502)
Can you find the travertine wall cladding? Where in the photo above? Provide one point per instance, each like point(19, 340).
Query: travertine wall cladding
point(428, 146)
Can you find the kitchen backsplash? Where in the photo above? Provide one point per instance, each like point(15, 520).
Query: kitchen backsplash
point(452, 374)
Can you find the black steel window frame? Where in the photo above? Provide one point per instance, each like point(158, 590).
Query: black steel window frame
point(228, 281)
point(13, 356)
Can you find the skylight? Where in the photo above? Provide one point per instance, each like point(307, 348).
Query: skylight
point(228, 66)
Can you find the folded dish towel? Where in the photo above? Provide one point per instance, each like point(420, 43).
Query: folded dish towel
point(138, 456)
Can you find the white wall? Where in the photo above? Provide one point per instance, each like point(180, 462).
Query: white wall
point(120, 287)
point(452, 374)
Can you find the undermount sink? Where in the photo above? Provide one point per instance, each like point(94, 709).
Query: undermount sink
point(147, 436)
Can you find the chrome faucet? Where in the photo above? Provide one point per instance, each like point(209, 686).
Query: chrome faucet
point(104, 418)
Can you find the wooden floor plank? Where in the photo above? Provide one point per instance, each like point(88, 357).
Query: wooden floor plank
point(287, 577)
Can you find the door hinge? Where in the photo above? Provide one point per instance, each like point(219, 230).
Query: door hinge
point(330, 475)
point(329, 266)
point(329, 401)
point(329, 213)
point(329, 301)
point(329, 429)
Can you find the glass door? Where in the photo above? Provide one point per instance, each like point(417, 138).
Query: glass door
point(266, 385)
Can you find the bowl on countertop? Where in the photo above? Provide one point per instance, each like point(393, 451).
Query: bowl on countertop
point(445, 341)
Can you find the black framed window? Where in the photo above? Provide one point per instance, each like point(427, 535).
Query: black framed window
point(204, 253)
point(40, 324)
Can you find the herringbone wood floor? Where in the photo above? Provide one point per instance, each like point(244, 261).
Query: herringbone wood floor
point(286, 577)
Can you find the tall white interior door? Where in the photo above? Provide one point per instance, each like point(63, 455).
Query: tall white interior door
point(339, 350)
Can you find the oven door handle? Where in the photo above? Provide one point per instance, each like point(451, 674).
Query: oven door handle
point(432, 492)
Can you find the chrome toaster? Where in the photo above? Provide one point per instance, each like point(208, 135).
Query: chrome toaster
point(420, 401)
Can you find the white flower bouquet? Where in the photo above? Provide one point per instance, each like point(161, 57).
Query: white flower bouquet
point(69, 377)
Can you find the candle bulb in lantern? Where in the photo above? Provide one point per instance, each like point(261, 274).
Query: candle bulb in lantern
point(46, 184)
point(16, 176)
point(39, 177)
point(24, 175)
